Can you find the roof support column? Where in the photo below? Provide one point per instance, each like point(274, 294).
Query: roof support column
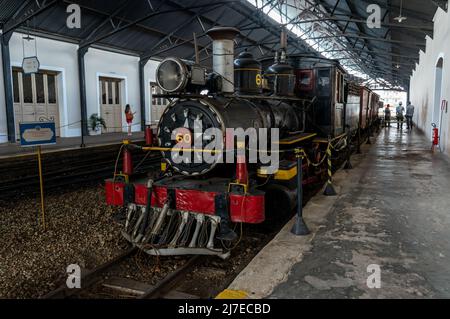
point(143, 88)
point(8, 85)
point(83, 100)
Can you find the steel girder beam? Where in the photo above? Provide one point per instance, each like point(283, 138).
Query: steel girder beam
point(175, 30)
point(119, 9)
point(382, 3)
point(27, 12)
point(145, 18)
point(326, 13)
point(109, 18)
point(359, 25)
point(264, 22)
point(354, 35)
point(443, 4)
point(421, 28)
point(380, 53)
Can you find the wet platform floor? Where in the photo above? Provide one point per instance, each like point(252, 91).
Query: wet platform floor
point(395, 214)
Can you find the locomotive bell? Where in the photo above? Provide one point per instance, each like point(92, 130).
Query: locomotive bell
point(247, 74)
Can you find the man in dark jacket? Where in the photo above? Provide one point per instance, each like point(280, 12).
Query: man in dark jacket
point(409, 115)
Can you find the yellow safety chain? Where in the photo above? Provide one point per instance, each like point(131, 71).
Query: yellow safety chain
point(330, 168)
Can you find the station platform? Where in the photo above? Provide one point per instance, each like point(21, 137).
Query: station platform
point(8, 150)
point(391, 212)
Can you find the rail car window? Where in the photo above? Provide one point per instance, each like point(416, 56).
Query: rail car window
point(305, 79)
point(324, 82)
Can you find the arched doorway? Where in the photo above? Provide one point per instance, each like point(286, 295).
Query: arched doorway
point(438, 92)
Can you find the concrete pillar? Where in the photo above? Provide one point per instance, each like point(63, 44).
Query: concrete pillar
point(7, 80)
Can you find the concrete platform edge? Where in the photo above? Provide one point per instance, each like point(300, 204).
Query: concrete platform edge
point(273, 264)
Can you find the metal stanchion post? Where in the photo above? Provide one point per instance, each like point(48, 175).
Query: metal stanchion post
point(41, 183)
point(300, 228)
point(358, 148)
point(369, 135)
point(348, 164)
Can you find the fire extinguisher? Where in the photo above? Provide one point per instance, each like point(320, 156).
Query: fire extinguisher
point(435, 135)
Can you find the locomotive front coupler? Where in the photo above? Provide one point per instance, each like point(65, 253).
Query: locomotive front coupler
point(225, 232)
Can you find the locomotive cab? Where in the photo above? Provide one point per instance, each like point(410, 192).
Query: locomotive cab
point(324, 80)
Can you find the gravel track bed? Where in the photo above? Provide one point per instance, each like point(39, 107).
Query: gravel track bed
point(80, 231)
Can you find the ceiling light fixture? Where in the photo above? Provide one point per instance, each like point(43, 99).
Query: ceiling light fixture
point(400, 18)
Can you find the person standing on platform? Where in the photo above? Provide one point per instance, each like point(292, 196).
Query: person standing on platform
point(409, 115)
point(387, 116)
point(399, 112)
point(129, 117)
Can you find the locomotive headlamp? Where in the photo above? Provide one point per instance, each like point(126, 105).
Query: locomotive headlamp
point(174, 75)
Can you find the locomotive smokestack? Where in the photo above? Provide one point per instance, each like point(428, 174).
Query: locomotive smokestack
point(223, 55)
point(284, 39)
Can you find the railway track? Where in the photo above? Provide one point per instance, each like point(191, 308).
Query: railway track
point(95, 277)
point(89, 278)
point(19, 177)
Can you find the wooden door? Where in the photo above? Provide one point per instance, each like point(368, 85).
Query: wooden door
point(35, 98)
point(111, 108)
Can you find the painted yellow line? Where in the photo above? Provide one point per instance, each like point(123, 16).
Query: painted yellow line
point(232, 294)
point(300, 139)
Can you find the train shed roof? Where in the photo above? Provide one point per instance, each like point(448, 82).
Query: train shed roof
point(157, 28)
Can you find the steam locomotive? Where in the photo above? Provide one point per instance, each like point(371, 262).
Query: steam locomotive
point(301, 103)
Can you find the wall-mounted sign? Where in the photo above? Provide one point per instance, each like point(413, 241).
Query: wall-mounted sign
point(30, 65)
point(37, 134)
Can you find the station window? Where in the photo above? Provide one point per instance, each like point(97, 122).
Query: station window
point(117, 97)
point(110, 93)
point(40, 90)
point(51, 83)
point(27, 88)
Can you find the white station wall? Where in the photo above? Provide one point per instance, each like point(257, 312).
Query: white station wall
point(149, 77)
point(3, 127)
point(62, 57)
point(424, 81)
point(106, 64)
